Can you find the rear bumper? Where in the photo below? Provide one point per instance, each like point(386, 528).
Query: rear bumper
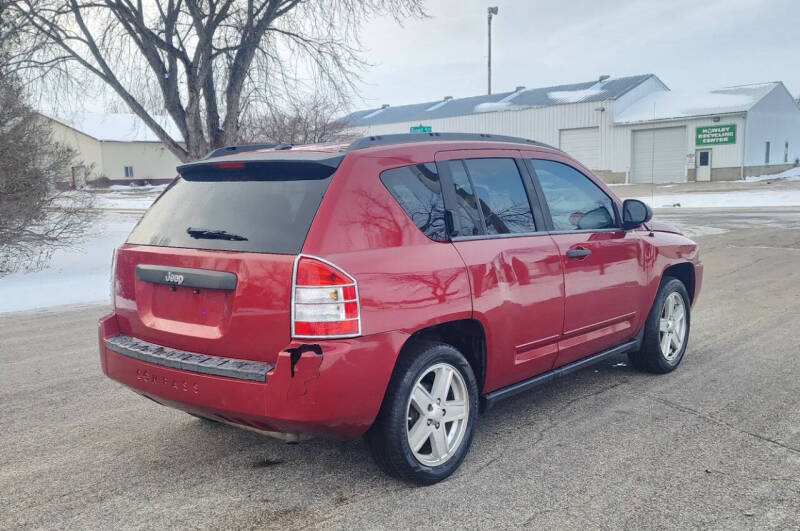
point(337, 392)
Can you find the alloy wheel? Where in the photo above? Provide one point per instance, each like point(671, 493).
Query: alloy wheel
point(672, 326)
point(437, 414)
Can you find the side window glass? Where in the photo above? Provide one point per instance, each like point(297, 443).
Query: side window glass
point(575, 202)
point(467, 207)
point(503, 200)
point(417, 189)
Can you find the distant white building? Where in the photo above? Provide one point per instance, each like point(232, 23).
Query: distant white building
point(117, 146)
point(629, 129)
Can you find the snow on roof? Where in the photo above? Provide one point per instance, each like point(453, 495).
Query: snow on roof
point(668, 104)
point(123, 127)
point(520, 98)
point(494, 106)
point(578, 95)
point(574, 96)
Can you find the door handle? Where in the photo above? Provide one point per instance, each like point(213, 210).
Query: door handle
point(578, 252)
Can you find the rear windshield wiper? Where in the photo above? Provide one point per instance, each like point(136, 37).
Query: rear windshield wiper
point(204, 234)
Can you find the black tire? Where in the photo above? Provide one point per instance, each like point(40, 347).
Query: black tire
point(650, 357)
point(387, 438)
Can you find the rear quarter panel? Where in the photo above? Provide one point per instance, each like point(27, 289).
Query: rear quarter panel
point(406, 281)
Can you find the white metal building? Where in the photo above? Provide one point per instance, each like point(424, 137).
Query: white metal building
point(117, 146)
point(629, 129)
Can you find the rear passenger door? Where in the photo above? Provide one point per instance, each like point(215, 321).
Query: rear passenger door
point(513, 264)
point(604, 274)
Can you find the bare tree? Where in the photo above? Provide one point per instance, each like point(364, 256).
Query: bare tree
point(308, 120)
point(36, 218)
point(204, 61)
point(9, 28)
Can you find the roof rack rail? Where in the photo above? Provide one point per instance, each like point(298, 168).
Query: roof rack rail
point(231, 150)
point(406, 138)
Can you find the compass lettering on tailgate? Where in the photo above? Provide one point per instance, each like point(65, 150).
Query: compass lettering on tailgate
point(159, 379)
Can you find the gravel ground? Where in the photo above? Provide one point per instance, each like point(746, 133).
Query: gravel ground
point(714, 444)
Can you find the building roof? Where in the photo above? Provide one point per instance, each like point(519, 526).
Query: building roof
point(598, 90)
point(122, 127)
point(664, 105)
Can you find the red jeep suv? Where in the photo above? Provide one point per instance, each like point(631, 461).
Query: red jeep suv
point(389, 289)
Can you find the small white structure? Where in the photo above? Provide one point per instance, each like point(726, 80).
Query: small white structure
point(630, 129)
point(117, 146)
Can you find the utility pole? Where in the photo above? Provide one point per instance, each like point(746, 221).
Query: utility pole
point(492, 11)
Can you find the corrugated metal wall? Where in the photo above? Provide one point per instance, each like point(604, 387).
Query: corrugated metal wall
point(658, 155)
point(545, 123)
point(542, 124)
point(723, 156)
point(775, 119)
point(583, 144)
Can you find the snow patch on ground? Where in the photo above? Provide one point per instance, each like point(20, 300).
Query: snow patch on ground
point(128, 198)
point(701, 230)
point(792, 174)
point(731, 199)
point(81, 275)
point(134, 188)
point(74, 276)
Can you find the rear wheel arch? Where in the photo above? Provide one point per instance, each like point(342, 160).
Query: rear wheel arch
point(390, 437)
point(466, 335)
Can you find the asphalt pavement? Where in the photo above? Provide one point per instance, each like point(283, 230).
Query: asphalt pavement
point(714, 444)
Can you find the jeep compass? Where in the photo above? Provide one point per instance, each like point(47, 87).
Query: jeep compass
point(389, 289)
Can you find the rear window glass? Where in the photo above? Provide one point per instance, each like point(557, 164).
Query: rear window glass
point(266, 208)
point(417, 189)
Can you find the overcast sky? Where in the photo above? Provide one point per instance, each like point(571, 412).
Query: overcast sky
point(688, 44)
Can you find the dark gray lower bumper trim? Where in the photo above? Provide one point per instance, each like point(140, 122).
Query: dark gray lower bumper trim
point(189, 361)
point(182, 276)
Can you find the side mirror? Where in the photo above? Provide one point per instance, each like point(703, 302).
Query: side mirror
point(635, 213)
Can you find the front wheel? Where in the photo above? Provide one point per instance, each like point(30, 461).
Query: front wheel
point(427, 420)
point(666, 332)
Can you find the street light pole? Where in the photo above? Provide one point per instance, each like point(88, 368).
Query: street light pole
point(492, 11)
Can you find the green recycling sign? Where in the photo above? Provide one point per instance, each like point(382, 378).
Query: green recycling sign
point(716, 134)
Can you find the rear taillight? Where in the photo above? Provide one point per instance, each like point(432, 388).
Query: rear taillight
point(324, 301)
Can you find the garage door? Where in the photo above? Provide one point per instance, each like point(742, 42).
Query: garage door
point(583, 144)
point(659, 155)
